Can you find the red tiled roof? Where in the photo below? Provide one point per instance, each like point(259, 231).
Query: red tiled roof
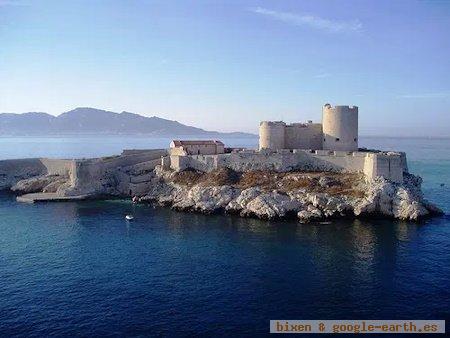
point(180, 143)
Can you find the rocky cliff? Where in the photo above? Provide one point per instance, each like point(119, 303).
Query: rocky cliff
point(306, 196)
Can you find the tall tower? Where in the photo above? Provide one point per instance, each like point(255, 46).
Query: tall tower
point(340, 127)
point(271, 135)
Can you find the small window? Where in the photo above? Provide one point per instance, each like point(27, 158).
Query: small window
point(337, 139)
point(355, 139)
point(324, 140)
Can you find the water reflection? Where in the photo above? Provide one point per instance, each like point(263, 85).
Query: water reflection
point(176, 267)
point(405, 231)
point(349, 252)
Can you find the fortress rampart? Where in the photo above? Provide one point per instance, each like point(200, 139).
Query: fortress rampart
point(129, 173)
point(90, 176)
point(338, 131)
point(12, 171)
point(279, 135)
point(132, 172)
point(328, 147)
point(372, 164)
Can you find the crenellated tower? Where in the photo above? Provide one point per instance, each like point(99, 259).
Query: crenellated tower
point(340, 127)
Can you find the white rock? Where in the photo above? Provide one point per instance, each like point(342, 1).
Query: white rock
point(271, 205)
point(38, 184)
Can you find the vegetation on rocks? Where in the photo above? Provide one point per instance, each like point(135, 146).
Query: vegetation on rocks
point(348, 184)
point(309, 196)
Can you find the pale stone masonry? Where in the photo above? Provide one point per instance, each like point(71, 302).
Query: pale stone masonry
point(389, 165)
point(328, 146)
point(338, 131)
point(277, 135)
point(340, 128)
point(199, 147)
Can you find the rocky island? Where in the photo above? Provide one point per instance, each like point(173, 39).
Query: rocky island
point(309, 171)
point(306, 195)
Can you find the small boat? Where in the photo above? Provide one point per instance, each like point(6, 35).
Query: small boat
point(129, 217)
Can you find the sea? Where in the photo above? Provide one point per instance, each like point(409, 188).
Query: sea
point(79, 269)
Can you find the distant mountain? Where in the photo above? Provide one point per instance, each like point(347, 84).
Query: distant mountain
point(90, 121)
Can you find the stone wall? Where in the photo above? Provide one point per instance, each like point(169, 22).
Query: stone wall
point(303, 136)
point(58, 167)
point(276, 135)
point(113, 175)
point(12, 171)
point(388, 165)
point(126, 152)
point(206, 148)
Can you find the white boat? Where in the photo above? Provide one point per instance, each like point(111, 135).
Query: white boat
point(129, 217)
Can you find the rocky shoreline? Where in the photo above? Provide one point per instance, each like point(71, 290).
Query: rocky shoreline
point(305, 196)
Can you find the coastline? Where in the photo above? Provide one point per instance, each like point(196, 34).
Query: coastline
point(301, 195)
point(306, 196)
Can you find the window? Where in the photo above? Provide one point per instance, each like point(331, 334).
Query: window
point(355, 139)
point(337, 139)
point(324, 140)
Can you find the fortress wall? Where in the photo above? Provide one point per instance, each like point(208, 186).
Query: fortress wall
point(330, 161)
point(177, 151)
point(371, 164)
point(203, 163)
point(139, 151)
point(99, 175)
point(177, 163)
point(303, 136)
point(403, 162)
point(165, 162)
point(127, 160)
point(12, 171)
point(340, 128)
point(389, 166)
point(58, 167)
point(276, 161)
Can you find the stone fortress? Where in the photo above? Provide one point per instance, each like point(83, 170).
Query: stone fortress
point(338, 131)
point(330, 146)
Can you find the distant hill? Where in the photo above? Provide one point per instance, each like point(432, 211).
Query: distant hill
point(90, 121)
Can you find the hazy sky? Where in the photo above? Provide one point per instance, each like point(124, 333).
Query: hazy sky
point(227, 65)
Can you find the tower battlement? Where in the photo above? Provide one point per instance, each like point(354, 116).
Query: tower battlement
point(340, 127)
point(338, 131)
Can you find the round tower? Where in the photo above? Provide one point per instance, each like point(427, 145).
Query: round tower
point(340, 127)
point(271, 135)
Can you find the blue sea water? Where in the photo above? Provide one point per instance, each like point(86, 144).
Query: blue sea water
point(78, 269)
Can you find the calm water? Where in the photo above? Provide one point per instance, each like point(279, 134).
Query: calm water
point(78, 269)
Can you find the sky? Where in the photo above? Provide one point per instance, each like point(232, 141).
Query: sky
point(226, 65)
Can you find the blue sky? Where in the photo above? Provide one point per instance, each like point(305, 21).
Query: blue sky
point(226, 65)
